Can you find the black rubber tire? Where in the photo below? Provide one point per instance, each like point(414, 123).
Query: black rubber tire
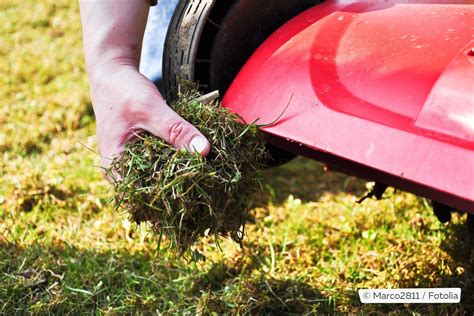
point(470, 224)
point(441, 211)
point(182, 39)
point(208, 42)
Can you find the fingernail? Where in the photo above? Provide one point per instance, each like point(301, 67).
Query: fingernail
point(198, 144)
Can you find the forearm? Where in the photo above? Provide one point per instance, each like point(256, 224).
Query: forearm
point(112, 32)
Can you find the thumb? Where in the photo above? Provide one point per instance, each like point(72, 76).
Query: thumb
point(176, 131)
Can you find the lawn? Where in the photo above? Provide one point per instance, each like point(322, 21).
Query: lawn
point(63, 248)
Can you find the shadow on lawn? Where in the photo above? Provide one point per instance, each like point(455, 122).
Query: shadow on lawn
point(62, 278)
point(306, 180)
point(65, 279)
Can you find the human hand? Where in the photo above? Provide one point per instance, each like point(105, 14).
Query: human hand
point(126, 103)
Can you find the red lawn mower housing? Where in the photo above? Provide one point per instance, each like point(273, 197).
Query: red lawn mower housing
point(379, 89)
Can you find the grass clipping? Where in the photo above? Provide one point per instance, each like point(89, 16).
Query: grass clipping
point(184, 196)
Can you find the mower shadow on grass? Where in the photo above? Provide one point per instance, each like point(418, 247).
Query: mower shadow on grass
point(66, 279)
point(306, 180)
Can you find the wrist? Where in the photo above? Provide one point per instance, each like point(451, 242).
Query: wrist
point(109, 62)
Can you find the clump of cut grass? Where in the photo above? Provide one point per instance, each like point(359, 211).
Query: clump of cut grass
point(182, 195)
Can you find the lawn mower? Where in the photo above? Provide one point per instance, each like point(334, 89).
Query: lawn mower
point(380, 89)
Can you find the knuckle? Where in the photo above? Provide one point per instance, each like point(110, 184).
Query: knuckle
point(178, 131)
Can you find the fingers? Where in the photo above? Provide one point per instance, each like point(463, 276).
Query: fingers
point(169, 126)
point(125, 102)
point(157, 119)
